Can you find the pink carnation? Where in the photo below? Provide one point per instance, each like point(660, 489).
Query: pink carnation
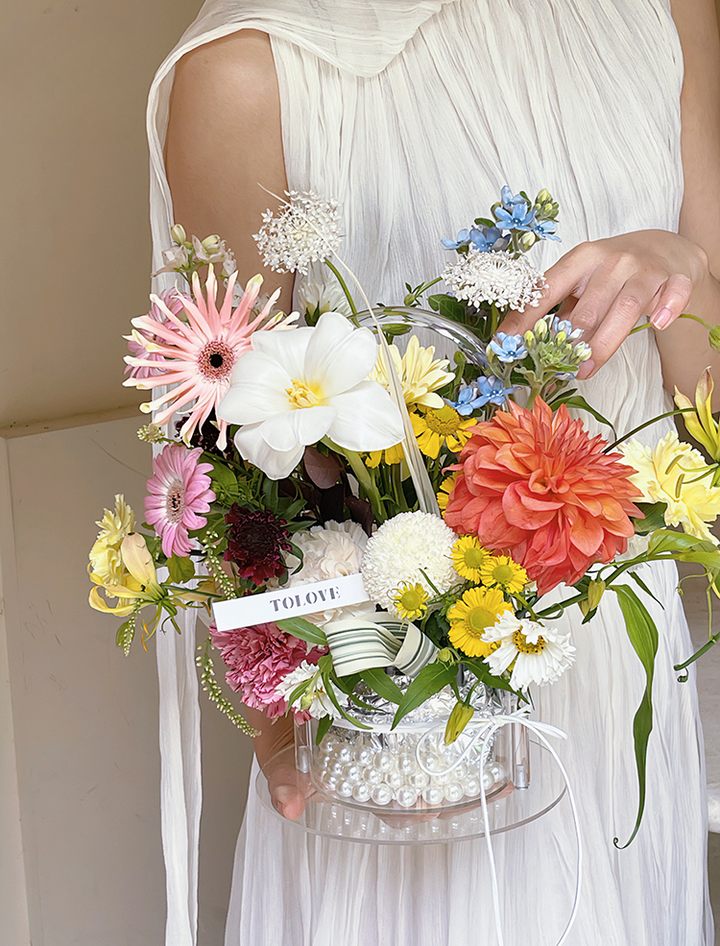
point(259, 658)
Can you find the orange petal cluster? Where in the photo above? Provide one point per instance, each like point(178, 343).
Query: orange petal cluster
point(535, 485)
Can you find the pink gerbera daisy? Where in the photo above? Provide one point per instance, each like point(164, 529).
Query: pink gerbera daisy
point(179, 490)
point(142, 344)
point(197, 355)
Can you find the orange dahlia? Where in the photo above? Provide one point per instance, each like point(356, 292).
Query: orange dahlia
point(535, 485)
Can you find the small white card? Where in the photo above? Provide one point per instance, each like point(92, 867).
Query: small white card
point(289, 602)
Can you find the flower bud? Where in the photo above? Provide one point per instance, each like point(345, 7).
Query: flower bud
point(211, 243)
point(527, 240)
point(460, 716)
point(178, 234)
point(543, 197)
point(540, 329)
point(445, 656)
point(596, 589)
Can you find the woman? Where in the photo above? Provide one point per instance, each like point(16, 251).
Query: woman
point(413, 115)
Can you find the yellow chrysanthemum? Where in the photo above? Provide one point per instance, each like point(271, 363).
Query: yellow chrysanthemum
point(419, 374)
point(446, 487)
point(410, 601)
point(676, 474)
point(106, 563)
point(469, 557)
point(115, 525)
point(477, 610)
point(501, 571)
point(443, 425)
point(392, 455)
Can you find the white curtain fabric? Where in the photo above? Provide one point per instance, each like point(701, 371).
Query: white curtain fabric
point(413, 115)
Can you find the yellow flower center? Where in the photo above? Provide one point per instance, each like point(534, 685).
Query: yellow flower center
point(301, 395)
point(522, 644)
point(503, 574)
point(445, 421)
point(478, 619)
point(474, 557)
point(411, 599)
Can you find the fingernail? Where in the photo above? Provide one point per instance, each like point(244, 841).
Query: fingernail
point(661, 318)
point(586, 369)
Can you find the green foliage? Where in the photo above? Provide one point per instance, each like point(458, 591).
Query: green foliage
point(643, 636)
point(209, 683)
point(382, 684)
point(431, 679)
point(303, 629)
point(654, 518)
point(181, 570)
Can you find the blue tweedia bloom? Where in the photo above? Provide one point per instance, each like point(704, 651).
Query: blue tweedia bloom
point(486, 238)
point(545, 230)
point(520, 217)
point(478, 393)
point(507, 199)
point(508, 348)
point(463, 239)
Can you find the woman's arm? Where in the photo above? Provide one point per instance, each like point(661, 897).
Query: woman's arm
point(224, 140)
point(607, 285)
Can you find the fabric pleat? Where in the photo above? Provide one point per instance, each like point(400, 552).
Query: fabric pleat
point(413, 115)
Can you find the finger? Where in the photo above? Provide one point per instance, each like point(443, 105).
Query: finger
point(672, 301)
point(617, 320)
point(288, 801)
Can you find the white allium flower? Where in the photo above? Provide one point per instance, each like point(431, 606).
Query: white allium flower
point(540, 654)
point(305, 230)
point(314, 700)
point(330, 551)
point(496, 278)
point(314, 293)
point(401, 550)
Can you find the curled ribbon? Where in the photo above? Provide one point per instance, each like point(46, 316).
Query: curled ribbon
point(486, 729)
point(361, 643)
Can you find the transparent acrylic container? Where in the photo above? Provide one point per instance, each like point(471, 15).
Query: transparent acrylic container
point(410, 769)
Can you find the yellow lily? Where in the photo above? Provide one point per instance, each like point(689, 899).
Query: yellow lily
point(120, 610)
point(700, 423)
point(138, 561)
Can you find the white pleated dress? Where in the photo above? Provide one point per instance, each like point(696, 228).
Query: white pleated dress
point(413, 115)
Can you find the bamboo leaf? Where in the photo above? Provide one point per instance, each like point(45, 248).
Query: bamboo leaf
point(303, 629)
point(578, 402)
point(323, 726)
point(431, 679)
point(643, 636)
point(383, 685)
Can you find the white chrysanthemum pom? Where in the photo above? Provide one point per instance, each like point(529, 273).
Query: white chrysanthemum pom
point(495, 278)
point(304, 231)
point(401, 550)
point(540, 654)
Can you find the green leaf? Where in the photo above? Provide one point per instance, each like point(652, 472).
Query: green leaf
point(323, 726)
point(638, 580)
point(643, 636)
point(303, 629)
point(431, 679)
point(654, 518)
point(330, 690)
point(181, 570)
point(665, 540)
point(578, 402)
point(482, 672)
point(382, 684)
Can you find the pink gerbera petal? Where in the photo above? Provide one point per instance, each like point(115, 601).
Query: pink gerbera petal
point(178, 492)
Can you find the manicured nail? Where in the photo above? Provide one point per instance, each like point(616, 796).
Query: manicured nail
point(586, 369)
point(661, 319)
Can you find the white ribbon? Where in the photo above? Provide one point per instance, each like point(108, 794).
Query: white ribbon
point(358, 644)
point(486, 730)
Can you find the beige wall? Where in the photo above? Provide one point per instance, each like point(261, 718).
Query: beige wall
point(80, 857)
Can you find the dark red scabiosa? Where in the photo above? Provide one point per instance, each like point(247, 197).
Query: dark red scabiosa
point(256, 541)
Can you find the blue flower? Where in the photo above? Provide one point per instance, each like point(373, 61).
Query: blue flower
point(507, 199)
point(463, 238)
point(508, 348)
point(518, 217)
point(545, 230)
point(479, 393)
point(486, 238)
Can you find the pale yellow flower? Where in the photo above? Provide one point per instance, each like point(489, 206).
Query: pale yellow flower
point(106, 564)
point(676, 474)
point(115, 525)
point(420, 374)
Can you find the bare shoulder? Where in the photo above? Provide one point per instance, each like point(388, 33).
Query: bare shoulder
point(224, 139)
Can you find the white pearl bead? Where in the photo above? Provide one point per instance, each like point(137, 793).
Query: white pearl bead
point(364, 755)
point(406, 763)
point(472, 786)
point(329, 783)
point(336, 768)
point(344, 754)
point(488, 780)
point(352, 772)
point(360, 792)
point(382, 794)
point(345, 789)
point(453, 792)
point(498, 771)
point(330, 743)
point(373, 776)
point(384, 760)
point(394, 779)
point(433, 795)
point(406, 796)
point(419, 780)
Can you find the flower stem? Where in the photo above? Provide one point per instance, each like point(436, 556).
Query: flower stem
point(363, 476)
point(343, 285)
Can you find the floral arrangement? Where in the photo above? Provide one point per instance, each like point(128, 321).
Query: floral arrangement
point(455, 494)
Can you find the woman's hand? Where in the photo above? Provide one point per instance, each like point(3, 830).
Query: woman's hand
point(605, 286)
point(274, 748)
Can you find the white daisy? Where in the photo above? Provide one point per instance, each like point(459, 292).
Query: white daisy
point(537, 654)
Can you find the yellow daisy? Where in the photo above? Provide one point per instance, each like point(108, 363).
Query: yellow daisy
point(446, 487)
point(392, 455)
point(503, 571)
point(410, 601)
point(438, 426)
point(469, 557)
point(477, 610)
